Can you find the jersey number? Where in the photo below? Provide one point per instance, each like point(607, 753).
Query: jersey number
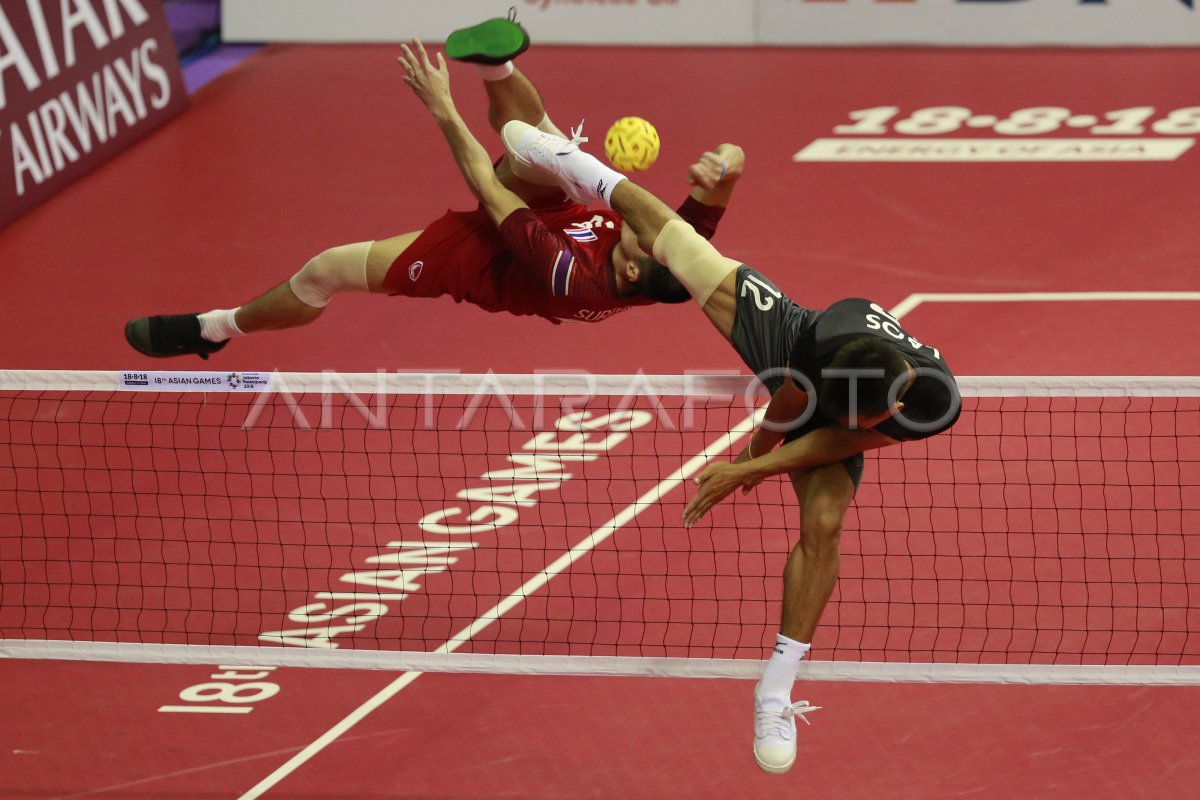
point(596, 222)
point(754, 286)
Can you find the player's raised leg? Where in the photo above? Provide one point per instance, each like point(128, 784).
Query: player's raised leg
point(359, 267)
point(492, 46)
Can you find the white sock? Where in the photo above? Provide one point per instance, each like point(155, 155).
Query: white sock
point(586, 169)
point(495, 72)
point(775, 686)
point(219, 324)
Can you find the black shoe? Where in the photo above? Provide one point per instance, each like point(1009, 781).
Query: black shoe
point(492, 42)
point(169, 335)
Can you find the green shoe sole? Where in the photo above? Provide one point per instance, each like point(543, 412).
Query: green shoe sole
point(492, 42)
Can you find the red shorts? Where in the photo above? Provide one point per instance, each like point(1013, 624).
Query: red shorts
point(455, 255)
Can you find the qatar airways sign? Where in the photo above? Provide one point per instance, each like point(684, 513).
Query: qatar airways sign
point(80, 81)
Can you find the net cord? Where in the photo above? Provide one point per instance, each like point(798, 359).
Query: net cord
point(536, 384)
point(617, 666)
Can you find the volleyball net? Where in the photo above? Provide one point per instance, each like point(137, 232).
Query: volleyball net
point(531, 524)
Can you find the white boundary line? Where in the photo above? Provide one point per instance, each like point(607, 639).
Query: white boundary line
point(909, 303)
point(691, 467)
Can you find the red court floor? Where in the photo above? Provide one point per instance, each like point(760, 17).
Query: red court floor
point(302, 148)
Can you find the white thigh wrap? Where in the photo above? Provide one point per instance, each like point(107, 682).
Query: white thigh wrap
point(339, 269)
point(692, 259)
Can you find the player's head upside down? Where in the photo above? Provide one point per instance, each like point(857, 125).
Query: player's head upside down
point(654, 281)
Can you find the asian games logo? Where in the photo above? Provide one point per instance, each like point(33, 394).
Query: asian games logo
point(233, 380)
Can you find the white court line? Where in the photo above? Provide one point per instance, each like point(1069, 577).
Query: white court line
point(913, 300)
point(676, 478)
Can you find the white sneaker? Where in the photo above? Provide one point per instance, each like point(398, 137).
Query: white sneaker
point(539, 158)
point(775, 734)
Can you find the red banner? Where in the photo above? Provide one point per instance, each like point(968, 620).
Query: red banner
point(80, 81)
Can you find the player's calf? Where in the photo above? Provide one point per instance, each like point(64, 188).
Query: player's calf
point(297, 302)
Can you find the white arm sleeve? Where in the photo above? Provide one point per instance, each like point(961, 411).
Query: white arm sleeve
point(692, 260)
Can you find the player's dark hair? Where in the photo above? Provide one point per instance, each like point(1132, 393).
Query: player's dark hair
point(657, 283)
point(864, 353)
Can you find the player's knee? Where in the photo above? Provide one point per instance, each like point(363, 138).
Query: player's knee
point(338, 269)
point(822, 529)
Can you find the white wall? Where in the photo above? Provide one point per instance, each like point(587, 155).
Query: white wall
point(963, 22)
point(644, 22)
point(733, 22)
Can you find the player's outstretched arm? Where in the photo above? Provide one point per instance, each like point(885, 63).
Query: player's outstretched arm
point(821, 447)
point(431, 84)
point(642, 211)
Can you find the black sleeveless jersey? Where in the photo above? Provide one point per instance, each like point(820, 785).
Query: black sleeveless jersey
point(931, 404)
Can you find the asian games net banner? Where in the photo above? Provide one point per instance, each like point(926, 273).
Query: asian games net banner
point(80, 81)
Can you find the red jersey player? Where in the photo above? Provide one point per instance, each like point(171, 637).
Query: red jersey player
point(555, 259)
point(527, 249)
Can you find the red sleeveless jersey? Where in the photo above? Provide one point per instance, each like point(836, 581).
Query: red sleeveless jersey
point(553, 260)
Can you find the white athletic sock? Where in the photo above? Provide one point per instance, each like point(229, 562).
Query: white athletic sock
point(587, 170)
point(775, 686)
point(219, 324)
point(495, 72)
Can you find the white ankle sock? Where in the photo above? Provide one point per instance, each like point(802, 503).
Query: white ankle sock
point(586, 169)
point(775, 686)
point(219, 324)
point(495, 72)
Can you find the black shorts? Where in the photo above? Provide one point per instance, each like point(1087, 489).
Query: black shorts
point(765, 329)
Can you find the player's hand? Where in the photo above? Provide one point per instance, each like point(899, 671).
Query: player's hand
point(717, 482)
point(429, 82)
point(723, 165)
point(708, 171)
